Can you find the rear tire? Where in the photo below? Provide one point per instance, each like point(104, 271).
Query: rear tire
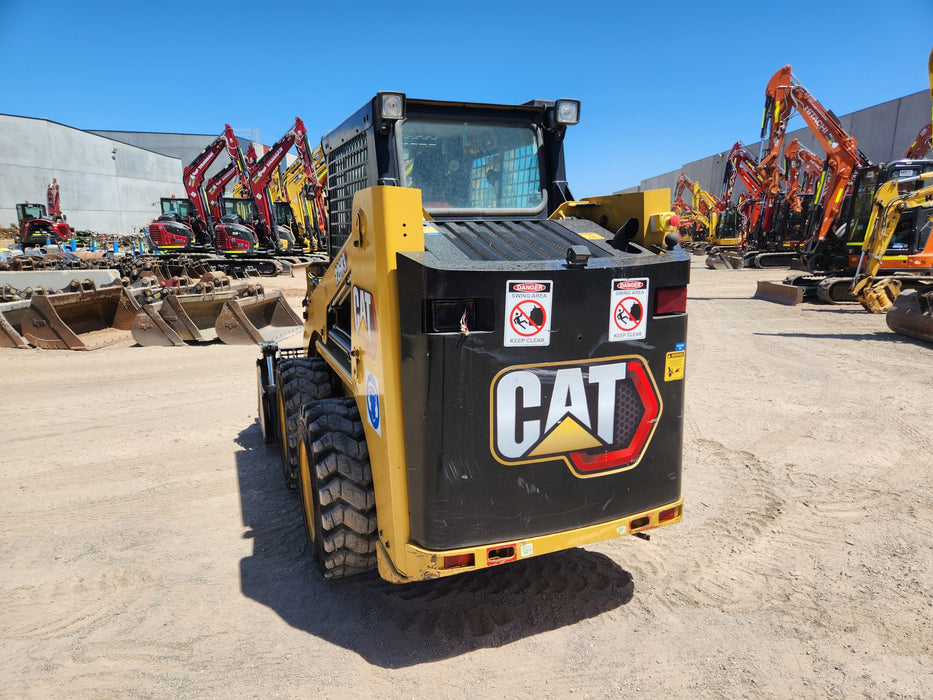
point(338, 500)
point(298, 380)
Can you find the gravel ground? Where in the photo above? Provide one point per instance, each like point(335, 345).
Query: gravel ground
point(152, 549)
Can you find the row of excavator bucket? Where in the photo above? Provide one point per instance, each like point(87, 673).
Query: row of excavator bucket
point(203, 310)
point(234, 319)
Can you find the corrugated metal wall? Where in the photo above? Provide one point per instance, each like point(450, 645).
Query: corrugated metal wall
point(105, 185)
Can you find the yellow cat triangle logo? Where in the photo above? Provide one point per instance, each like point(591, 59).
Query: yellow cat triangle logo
point(567, 436)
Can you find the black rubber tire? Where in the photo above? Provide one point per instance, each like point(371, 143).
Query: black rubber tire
point(298, 380)
point(338, 500)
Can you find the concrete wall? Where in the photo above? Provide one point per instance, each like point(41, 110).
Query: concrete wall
point(105, 185)
point(883, 132)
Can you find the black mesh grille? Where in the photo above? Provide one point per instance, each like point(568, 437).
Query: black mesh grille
point(346, 175)
point(537, 239)
point(629, 412)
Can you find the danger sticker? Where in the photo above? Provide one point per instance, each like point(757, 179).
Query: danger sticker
point(528, 312)
point(628, 307)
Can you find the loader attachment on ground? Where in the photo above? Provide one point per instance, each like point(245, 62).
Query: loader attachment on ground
point(11, 317)
point(912, 314)
point(255, 320)
point(780, 293)
point(83, 320)
point(180, 318)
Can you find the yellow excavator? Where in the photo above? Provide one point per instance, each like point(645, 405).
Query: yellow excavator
point(910, 313)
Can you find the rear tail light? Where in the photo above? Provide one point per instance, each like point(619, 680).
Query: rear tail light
point(457, 561)
point(670, 300)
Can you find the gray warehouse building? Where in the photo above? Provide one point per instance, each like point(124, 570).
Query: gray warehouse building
point(109, 181)
point(883, 132)
point(106, 185)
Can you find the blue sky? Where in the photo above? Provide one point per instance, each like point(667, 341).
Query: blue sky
point(661, 83)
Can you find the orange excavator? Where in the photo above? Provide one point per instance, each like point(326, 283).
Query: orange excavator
point(784, 95)
point(822, 249)
point(908, 255)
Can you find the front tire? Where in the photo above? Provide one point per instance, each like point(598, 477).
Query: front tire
point(338, 500)
point(298, 380)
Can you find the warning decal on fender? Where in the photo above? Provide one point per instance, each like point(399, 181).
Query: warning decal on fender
point(628, 308)
point(527, 312)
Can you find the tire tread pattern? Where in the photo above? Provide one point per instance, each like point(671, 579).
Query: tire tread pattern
point(300, 380)
point(343, 478)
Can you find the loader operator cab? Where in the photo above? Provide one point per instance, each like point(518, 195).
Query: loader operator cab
point(470, 161)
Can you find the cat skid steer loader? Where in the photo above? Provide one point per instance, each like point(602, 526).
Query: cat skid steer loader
point(490, 369)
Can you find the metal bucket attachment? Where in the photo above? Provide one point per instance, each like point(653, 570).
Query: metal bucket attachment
point(11, 318)
point(879, 297)
point(717, 260)
point(912, 314)
point(180, 318)
point(84, 320)
point(780, 293)
point(255, 320)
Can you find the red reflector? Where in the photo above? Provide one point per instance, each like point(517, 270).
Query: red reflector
point(668, 514)
point(457, 560)
point(670, 300)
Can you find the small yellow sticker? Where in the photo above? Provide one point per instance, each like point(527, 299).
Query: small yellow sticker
point(674, 366)
point(592, 237)
point(429, 229)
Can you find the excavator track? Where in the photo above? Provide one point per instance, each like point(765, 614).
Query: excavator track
point(835, 290)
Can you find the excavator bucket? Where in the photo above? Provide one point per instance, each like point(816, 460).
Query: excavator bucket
point(780, 293)
point(725, 260)
point(880, 297)
point(912, 314)
point(178, 319)
point(257, 319)
point(82, 320)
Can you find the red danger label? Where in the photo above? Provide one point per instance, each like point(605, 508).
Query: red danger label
point(527, 313)
point(630, 284)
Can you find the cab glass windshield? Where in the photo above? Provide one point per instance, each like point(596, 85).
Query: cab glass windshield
point(462, 166)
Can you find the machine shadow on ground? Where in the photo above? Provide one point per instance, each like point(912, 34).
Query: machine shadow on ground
point(880, 336)
point(398, 626)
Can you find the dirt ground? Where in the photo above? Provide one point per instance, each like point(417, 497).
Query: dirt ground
point(152, 550)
